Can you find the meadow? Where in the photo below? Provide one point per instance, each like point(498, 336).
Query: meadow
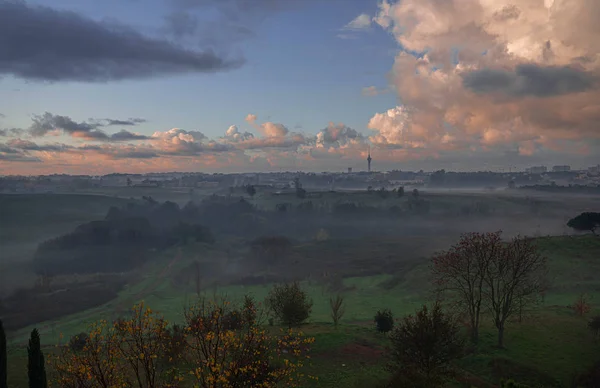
point(549, 346)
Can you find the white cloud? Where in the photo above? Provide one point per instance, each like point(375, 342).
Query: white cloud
point(361, 22)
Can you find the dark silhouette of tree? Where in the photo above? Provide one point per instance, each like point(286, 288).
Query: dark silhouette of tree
point(438, 178)
point(271, 248)
point(594, 325)
point(36, 369)
point(423, 347)
point(513, 277)
point(128, 182)
point(3, 358)
point(300, 193)
point(251, 190)
point(459, 273)
point(415, 193)
point(400, 192)
point(383, 193)
point(384, 320)
point(587, 221)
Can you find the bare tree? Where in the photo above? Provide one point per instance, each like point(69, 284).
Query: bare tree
point(337, 309)
point(460, 272)
point(514, 278)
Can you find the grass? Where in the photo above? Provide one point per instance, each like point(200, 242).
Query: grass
point(549, 347)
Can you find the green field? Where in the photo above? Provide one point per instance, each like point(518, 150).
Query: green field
point(547, 348)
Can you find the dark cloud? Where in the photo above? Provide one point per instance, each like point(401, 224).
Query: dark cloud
point(124, 135)
point(129, 122)
point(529, 80)
point(42, 124)
point(27, 145)
point(18, 158)
point(42, 43)
point(11, 132)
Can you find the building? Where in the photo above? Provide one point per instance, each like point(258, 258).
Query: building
point(349, 170)
point(537, 170)
point(369, 160)
point(564, 168)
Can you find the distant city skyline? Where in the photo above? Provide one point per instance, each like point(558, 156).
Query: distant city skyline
point(313, 85)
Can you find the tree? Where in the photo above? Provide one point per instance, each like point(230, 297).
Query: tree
point(400, 192)
point(242, 356)
point(271, 249)
point(582, 305)
point(36, 370)
point(3, 358)
point(337, 309)
point(300, 193)
point(289, 303)
point(423, 347)
point(460, 272)
point(594, 325)
point(415, 193)
point(384, 320)
point(251, 190)
point(512, 277)
point(587, 221)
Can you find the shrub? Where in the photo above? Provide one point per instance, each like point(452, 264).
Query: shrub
point(594, 325)
point(423, 347)
point(510, 383)
point(289, 303)
point(384, 321)
point(78, 341)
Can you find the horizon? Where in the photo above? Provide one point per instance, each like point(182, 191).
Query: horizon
point(250, 86)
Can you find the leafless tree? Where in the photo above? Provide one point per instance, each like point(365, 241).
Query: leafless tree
point(460, 273)
point(337, 309)
point(514, 278)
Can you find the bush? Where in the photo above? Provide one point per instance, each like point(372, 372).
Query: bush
point(289, 303)
point(594, 325)
point(424, 345)
point(384, 321)
point(78, 341)
point(510, 383)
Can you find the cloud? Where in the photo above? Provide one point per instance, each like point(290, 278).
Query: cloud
point(372, 91)
point(11, 132)
point(222, 22)
point(41, 43)
point(361, 22)
point(477, 76)
point(128, 122)
point(529, 80)
point(233, 134)
point(48, 122)
point(27, 145)
point(124, 135)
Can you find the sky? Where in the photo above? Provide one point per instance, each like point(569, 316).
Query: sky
point(135, 86)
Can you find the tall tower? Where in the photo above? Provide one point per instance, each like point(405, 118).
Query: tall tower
point(369, 160)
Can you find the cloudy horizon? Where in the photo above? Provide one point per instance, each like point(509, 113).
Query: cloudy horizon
point(270, 85)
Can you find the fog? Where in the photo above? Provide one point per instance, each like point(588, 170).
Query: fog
point(95, 246)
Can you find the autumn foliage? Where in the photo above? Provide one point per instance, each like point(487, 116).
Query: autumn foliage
point(221, 345)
